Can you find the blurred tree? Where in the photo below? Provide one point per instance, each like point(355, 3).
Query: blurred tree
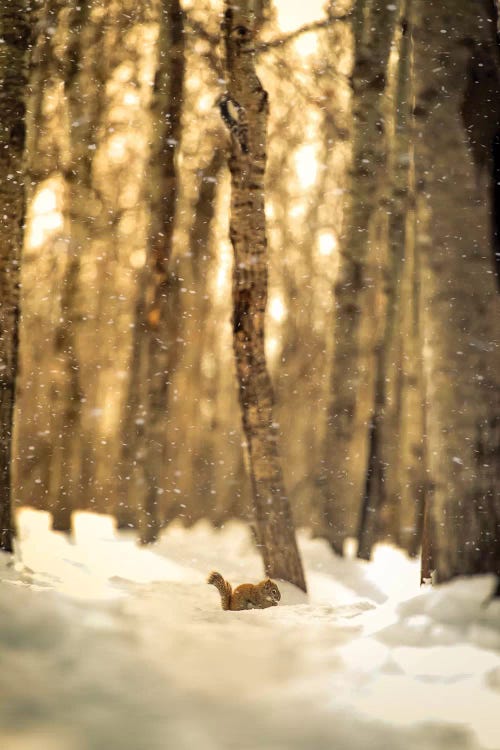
point(363, 240)
point(154, 335)
point(66, 460)
point(108, 337)
point(45, 251)
point(198, 331)
point(457, 118)
point(395, 482)
point(15, 35)
point(403, 434)
point(244, 109)
point(85, 228)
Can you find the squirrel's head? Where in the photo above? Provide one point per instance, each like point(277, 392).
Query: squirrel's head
point(272, 591)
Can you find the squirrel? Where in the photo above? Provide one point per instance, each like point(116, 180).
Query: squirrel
point(247, 595)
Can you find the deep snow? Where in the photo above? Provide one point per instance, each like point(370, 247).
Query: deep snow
point(104, 645)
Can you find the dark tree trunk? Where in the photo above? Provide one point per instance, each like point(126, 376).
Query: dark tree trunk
point(65, 487)
point(244, 110)
point(131, 489)
point(457, 117)
point(156, 313)
point(15, 36)
point(394, 490)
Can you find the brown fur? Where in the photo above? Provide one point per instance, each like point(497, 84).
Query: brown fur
point(247, 595)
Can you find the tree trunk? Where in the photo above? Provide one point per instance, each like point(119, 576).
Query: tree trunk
point(362, 243)
point(457, 118)
point(393, 503)
point(197, 459)
point(15, 35)
point(158, 288)
point(66, 463)
point(412, 442)
point(131, 491)
point(244, 109)
point(44, 259)
point(65, 482)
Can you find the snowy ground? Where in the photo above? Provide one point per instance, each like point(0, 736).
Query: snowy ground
point(104, 645)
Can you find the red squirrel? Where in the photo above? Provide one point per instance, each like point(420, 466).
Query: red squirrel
point(247, 595)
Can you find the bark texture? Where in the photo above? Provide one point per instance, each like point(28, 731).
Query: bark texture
point(457, 117)
point(15, 36)
point(244, 109)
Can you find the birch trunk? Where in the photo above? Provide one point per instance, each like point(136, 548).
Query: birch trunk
point(245, 110)
point(15, 35)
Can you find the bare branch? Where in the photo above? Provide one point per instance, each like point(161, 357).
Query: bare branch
point(286, 38)
point(198, 28)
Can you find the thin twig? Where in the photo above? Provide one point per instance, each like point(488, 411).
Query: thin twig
point(280, 41)
point(199, 28)
point(286, 38)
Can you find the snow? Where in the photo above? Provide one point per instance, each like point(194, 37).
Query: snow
point(104, 644)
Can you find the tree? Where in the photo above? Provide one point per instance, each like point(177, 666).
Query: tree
point(362, 243)
point(244, 109)
point(456, 120)
point(44, 254)
point(152, 358)
point(197, 459)
point(65, 482)
point(15, 36)
point(395, 484)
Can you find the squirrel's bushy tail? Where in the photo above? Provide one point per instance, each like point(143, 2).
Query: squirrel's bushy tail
point(223, 587)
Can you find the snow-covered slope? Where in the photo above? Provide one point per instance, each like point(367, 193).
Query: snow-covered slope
point(104, 645)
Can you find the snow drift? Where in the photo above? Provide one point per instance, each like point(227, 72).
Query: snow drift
point(107, 645)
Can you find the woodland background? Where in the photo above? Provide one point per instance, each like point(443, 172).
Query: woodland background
point(383, 212)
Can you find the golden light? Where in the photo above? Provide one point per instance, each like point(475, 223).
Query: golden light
point(117, 150)
point(131, 99)
point(137, 258)
point(272, 348)
point(46, 218)
point(45, 200)
point(223, 276)
point(277, 309)
point(205, 102)
point(306, 165)
point(295, 13)
point(306, 44)
point(327, 243)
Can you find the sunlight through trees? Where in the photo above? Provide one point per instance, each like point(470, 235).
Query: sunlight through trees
point(258, 274)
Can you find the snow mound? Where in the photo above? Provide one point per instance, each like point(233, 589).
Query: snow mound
point(105, 645)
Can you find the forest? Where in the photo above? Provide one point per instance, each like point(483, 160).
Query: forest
point(249, 318)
